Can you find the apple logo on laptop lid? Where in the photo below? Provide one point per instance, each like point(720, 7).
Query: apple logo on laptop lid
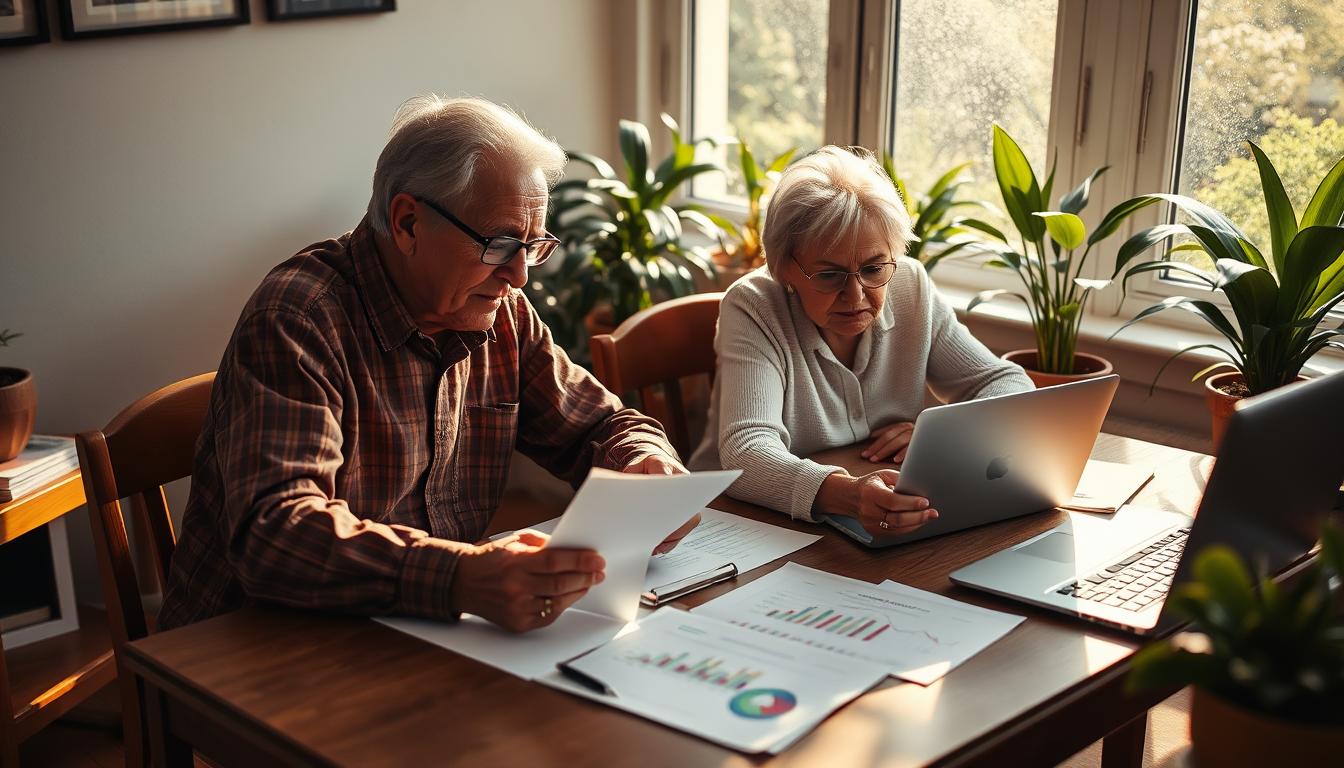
point(998, 467)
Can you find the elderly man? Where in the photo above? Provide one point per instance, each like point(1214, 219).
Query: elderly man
point(375, 387)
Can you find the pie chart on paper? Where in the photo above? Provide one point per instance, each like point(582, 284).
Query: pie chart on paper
point(762, 703)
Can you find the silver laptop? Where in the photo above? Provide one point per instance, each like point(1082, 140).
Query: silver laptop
point(1277, 475)
point(987, 460)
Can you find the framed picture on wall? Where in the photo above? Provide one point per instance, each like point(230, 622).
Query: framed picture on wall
point(282, 10)
point(23, 22)
point(100, 18)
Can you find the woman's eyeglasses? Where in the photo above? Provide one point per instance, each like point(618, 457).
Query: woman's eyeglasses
point(873, 275)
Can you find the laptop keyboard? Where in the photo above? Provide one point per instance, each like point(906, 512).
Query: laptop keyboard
point(1136, 581)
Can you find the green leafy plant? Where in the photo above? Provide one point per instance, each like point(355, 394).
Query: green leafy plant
point(7, 336)
point(747, 252)
point(932, 215)
point(1274, 649)
point(1056, 294)
point(622, 237)
point(1276, 305)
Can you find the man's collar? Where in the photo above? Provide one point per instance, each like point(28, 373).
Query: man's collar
point(391, 321)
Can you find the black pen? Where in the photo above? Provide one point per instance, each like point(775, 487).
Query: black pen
point(584, 679)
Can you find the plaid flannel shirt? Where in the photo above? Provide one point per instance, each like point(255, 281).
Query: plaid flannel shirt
point(346, 456)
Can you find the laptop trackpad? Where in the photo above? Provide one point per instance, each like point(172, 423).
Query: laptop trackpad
point(1058, 546)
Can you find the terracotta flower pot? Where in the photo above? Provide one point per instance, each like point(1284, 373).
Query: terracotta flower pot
point(1222, 392)
point(1085, 366)
point(1223, 734)
point(18, 410)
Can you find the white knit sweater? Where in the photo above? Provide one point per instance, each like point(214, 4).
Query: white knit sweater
point(780, 392)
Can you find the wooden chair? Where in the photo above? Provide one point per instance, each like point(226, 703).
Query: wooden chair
point(661, 345)
point(146, 446)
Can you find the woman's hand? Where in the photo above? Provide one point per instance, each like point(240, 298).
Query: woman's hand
point(889, 443)
point(873, 500)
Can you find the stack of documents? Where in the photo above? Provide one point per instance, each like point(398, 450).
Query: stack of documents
point(1107, 486)
point(45, 458)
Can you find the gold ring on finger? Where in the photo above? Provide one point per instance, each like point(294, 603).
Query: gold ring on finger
point(546, 607)
point(883, 524)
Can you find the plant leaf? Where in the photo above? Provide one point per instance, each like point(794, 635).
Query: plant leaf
point(984, 296)
point(1312, 251)
point(1326, 208)
point(602, 167)
point(1065, 228)
point(1076, 200)
point(635, 150)
point(1017, 182)
point(1282, 218)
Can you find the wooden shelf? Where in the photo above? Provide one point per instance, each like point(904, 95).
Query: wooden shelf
point(25, 513)
point(47, 678)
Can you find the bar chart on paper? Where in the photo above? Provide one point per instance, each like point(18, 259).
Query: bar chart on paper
point(918, 636)
point(706, 670)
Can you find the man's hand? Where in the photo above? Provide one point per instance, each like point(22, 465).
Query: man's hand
point(658, 464)
point(519, 584)
point(889, 443)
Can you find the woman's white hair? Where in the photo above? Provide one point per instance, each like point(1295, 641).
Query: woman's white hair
point(828, 197)
point(437, 146)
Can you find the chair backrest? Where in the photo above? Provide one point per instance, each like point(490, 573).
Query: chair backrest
point(146, 446)
point(661, 346)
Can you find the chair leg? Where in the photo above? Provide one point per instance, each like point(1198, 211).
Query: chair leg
point(132, 722)
point(1123, 747)
point(165, 749)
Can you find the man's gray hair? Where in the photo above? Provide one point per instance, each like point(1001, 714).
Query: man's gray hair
point(436, 148)
point(827, 198)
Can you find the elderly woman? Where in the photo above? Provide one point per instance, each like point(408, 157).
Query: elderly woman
point(835, 342)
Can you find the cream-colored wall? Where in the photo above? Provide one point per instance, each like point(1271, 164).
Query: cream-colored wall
point(148, 182)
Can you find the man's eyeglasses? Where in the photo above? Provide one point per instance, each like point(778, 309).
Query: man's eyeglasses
point(501, 249)
point(873, 275)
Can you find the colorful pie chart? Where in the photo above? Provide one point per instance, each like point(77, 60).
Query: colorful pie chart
point(762, 703)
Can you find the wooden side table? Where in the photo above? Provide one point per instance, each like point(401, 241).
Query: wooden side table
point(44, 680)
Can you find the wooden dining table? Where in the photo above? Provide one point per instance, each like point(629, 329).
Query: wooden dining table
point(273, 686)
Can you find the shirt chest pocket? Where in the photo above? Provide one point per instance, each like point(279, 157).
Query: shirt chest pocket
point(488, 435)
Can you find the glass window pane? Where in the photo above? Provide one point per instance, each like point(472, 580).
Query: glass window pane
point(1268, 71)
point(760, 75)
point(962, 65)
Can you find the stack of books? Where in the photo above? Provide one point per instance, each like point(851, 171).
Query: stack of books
point(45, 458)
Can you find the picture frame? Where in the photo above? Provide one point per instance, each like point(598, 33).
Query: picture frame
point(81, 19)
point(289, 10)
point(23, 22)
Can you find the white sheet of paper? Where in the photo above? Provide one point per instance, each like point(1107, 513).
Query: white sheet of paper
point(916, 636)
point(719, 539)
point(526, 655)
point(724, 683)
point(1106, 486)
point(623, 517)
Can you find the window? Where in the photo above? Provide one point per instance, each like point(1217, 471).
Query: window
point(759, 75)
point(1270, 72)
point(961, 67)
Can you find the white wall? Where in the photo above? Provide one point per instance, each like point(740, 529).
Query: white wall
point(148, 182)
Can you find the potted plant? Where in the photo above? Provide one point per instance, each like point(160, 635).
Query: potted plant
point(623, 238)
point(747, 253)
point(1266, 660)
point(1277, 303)
point(18, 405)
point(931, 215)
point(1056, 294)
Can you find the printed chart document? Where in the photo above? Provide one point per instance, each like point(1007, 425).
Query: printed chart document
point(621, 516)
point(915, 635)
point(725, 683)
point(719, 539)
point(1107, 486)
